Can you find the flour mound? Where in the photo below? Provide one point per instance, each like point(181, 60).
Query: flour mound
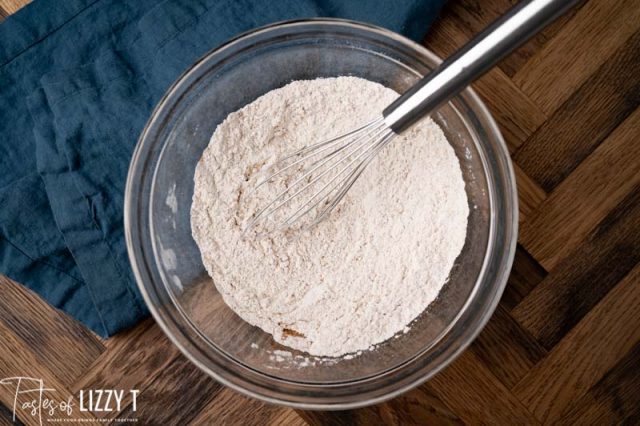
point(374, 265)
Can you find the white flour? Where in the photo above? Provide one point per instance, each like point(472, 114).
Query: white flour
point(374, 265)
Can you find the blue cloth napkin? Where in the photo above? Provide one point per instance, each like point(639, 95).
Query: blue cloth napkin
point(78, 81)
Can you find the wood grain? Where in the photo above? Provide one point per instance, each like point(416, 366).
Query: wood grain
point(526, 274)
point(586, 119)
point(143, 354)
point(530, 195)
point(584, 278)
point(517, 116)
point(229, 406)
point(585, 197)
point(507, 350)
point(475, 15)
point(418, 407)
point(614, 399)
point(581, 46)
point(35, 324)
point(477, 396)
point(179, 384)
point(12, 6)
point(563, 346)
point(596, 344)
point(21, 360)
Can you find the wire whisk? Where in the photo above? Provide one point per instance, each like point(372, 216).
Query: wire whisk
point(318, 176)
point(329, 170)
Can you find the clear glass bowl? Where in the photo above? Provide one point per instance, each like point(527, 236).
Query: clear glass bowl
point(167, 263)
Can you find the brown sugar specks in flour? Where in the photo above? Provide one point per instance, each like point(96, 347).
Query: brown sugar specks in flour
point(358, 278)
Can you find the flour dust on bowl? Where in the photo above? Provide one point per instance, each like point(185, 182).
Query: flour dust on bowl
point(184, 299)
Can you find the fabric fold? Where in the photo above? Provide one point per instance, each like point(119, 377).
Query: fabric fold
point(84, 174)
point(80, 79)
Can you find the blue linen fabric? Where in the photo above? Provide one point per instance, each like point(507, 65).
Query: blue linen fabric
point(78, 81)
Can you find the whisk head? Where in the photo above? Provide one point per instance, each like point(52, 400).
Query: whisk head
point(315, 178)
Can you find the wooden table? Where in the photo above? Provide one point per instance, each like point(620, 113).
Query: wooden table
point(564, 344)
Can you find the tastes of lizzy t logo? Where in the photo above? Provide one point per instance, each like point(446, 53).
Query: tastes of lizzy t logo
point(32, 398)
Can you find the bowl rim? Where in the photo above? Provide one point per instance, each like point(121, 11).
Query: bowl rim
point(131, 219)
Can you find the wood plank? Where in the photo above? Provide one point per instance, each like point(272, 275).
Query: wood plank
point(614, 399)
point(229, 406)
point(12, 6)
point(476, 15)
point(19, 360)
point(506, 349)
point(288, 417)
point(476, 396)
point(581, 201)
point(582, 358)
point(585, 120)
point(517, 116)
point(577, 51)
point(530, 195)
point(122, 340)
point(132, 362)
point(420, 406)
point(64, 345)
point(526, 274)
point(577, 284)
point(518, 59)
point(176, 395)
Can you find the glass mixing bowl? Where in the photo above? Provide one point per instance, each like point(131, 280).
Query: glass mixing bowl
point(167, 263)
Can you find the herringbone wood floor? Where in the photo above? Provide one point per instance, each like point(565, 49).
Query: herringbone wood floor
point(564, 344)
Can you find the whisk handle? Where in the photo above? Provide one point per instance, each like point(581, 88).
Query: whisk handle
point(474, 59)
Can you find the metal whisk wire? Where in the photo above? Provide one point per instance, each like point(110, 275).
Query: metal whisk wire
point(357, 147)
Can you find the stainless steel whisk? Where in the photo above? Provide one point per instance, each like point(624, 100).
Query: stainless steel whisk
point(341, 160)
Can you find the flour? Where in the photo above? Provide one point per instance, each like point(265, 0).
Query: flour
point(359, 277)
